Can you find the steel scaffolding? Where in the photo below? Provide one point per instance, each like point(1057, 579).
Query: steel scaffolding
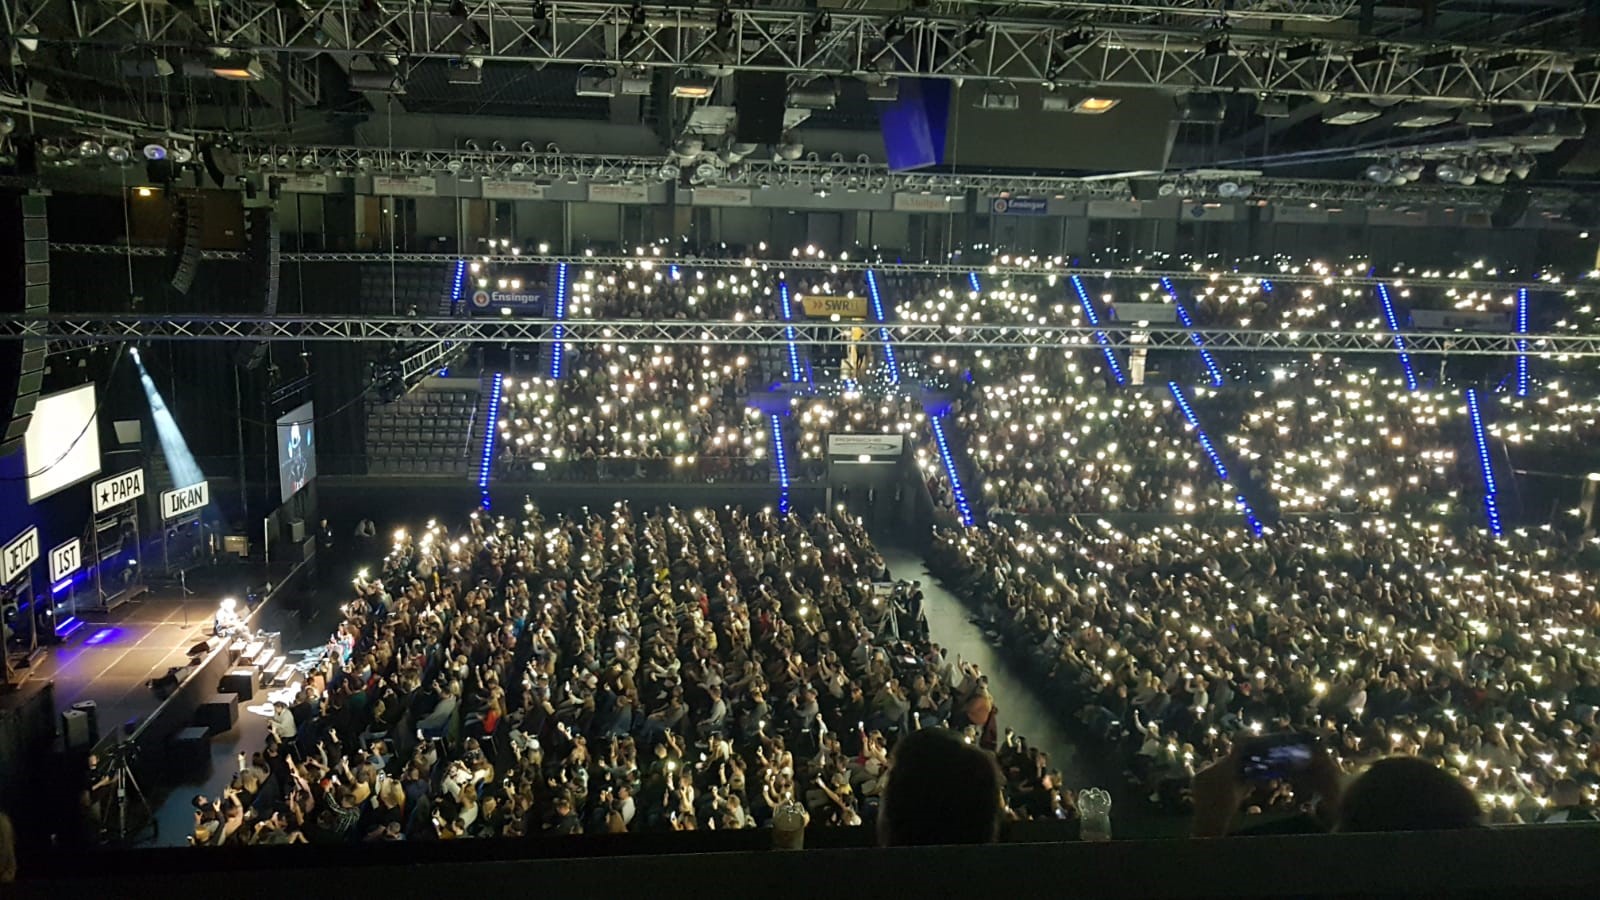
point(1080, 44)
point(77, 329)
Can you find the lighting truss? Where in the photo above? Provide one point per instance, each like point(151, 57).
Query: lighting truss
point(90, 328)
point(860, 174)
point(430, 358)
point(1109, 43)
point(1141, 274)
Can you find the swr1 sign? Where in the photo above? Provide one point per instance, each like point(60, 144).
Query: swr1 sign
point(185, 500)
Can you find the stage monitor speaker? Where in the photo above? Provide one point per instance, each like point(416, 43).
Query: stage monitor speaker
point(25, 244)
point(75, 730)
point(297, 530)
point(192, 213)
point(759, 99)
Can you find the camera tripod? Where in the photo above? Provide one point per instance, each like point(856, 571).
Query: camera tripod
point(128, 797)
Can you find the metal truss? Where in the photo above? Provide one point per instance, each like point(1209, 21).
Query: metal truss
point(838, 173)
point(1036, 269)
point(1110, 44)
point(430, 358)
point(78, 329)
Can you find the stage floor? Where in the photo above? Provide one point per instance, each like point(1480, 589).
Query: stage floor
point(113, 657)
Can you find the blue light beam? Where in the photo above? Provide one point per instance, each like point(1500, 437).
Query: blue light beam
point(180, 461)
point(1099, 336)
point(780, 455)
point(491, 432)
point(796, 373)
point(1399, 339)
point(558, 348)
point(1211, 452)
point(1491, 505)
point(1194, 336)
point(963, 509)
point(883, 333)
point(1522, 342)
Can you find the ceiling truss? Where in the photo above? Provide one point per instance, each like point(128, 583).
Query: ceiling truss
point(1110, 44)
point(79, 329)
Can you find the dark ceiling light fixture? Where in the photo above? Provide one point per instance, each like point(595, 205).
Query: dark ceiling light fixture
point(822, 24)
point(1366, 56)
point(1501, 62)
point(1438, 59)
point(1298, 52)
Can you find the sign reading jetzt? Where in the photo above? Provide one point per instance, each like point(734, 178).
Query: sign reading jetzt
point(185, 500)
point(18, 555)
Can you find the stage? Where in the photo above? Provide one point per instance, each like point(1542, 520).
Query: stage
point(112, 659)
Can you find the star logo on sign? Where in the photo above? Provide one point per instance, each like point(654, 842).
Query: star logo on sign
point(105, 496)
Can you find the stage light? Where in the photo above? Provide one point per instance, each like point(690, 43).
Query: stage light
point(180, 461)
point(693, 85)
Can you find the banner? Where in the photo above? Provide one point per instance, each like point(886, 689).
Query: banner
point(406, 186)
point(865, 444)
point(1115, 209)
point(512, 190)
point(719, 196)
point(619, 193)
point(118, 489)
point(1144, 312)
point(185, 500)
point(1299, 215)
point(526, 302)
point(18, 555)
point(926, 203)
point(1019, 206)
point(304, 184)
point(1460, 320)
point(818, 306)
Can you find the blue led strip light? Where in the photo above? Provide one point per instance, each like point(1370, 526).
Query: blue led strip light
point(1399, 339)
point(491, 431)
point(558, 347)
point(796, 372)
point(1266, 286)
point(780, 455)
point(1100, 336)
point(972, 279)
point(962, 507)
point(1522, 343)
point(883, 333)
point(1491, 505)
point(1211, 451)
point(1194, 336)
point(457, 284)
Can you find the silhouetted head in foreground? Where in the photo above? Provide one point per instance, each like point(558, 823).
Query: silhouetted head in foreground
point(1403, 793)
point(941, 790)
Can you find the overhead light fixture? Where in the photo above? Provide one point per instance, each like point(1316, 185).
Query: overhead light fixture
point(377, 82)
point(465, 70)
point(1449, 172)
point(1216, 46)
point(249, 70)
point(1423, 117)
point(1350, 114)
point(1087, 105)
point(1379, 173)
point(596, 81)
point(1365, 56)
point(884, 90)
point(1501, 62)
point(634, 82)
point(155, 152)
point(693, 85)
point(999, 98)
point(1522, 166)
point(1273, 107)
point(1475, 117)
point(819, 93)
point(1075, 38)
point(1201, 107)
point(1298, 52)
point(1439, 58)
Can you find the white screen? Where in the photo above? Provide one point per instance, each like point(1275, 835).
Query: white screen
point(62, 446)
point(297, 451)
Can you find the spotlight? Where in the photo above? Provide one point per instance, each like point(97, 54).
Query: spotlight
point(1273, 107)
point(1297, 52)
point(1521, 166)
point(154, 152)
point(1439, 58)
point(1449, 172)
point(1380, 173)
point(89, 149)
point(1368, 55)
point(119, 154)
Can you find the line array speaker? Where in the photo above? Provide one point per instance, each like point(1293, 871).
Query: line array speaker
point(192, 212)
point(22, 362)
point(264, 245)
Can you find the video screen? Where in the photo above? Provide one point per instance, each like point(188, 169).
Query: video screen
point(62, 446)
point(297, 451)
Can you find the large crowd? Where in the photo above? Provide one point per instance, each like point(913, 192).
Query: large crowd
point(666, 671)
point(1381, 637)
